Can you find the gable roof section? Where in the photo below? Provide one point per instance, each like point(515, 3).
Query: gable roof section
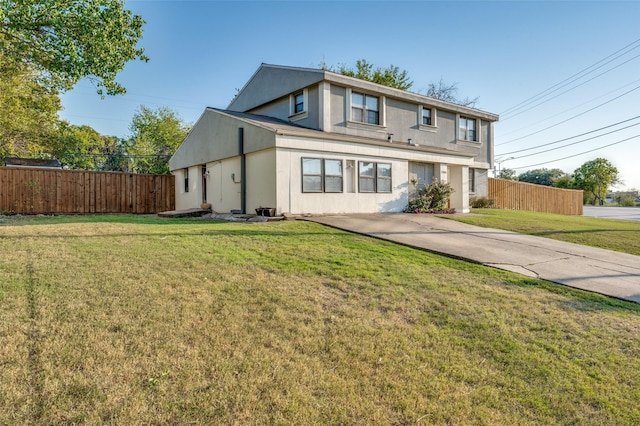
point(272, 82)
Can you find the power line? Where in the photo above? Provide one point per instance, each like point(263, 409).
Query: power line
point(576, 155)
point(573, 137)
point(539, 95)
point(577, 142)
point(571, 109)
point(570, 118)
point(568, 90)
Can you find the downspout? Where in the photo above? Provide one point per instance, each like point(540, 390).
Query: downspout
point(243, 171)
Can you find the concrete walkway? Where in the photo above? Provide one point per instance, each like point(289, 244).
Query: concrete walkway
point(597, 270)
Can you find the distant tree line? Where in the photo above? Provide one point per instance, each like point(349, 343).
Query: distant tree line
point(594, 177)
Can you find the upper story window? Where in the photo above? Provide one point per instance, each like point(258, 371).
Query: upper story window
point(467, 129)
point(427, 117)
point(321, 175)
point(298, 105)
point(365, 108)
point(374, 177)
point(298, 102)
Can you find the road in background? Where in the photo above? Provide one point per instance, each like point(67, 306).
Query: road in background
point(626, 213)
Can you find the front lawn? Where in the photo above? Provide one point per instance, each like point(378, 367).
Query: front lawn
point(142, 320)
point(611, 234)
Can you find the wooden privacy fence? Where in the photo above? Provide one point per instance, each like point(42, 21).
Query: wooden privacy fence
point(514, 195)
point(51, 191)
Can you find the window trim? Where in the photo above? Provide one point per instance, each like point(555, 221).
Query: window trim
point(434, 115)
point(185, 175)
point(323, 175)
point(459, 135)
point(300, 115)
point(382, 104)
point(376, 178)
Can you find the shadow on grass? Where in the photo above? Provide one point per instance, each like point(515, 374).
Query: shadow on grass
point(164, 227)
point(141, 219)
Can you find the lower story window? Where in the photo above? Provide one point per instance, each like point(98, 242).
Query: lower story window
point(374, 177)
point(472, 179)
point(321, 175)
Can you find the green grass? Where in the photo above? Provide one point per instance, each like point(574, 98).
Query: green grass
point(611, 234)
point(142, 320)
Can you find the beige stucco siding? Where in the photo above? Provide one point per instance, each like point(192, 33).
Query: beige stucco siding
point(191, 198)
point(292, 199)
point(261, 180)
point(223, 185)
point(291, 151)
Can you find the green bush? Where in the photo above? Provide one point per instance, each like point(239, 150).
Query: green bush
point(627, 202)
point(481, 202)
point(432, 198)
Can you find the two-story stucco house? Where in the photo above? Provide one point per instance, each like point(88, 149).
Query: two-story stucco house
point(312, 141)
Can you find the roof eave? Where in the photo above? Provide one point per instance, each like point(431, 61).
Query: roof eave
point(339, 137)
point(344, 80)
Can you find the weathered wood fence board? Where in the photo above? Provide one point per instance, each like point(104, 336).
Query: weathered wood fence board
point(514, 195)
point(44, 191)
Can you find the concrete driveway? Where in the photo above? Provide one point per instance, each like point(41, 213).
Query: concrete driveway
point(597, 270)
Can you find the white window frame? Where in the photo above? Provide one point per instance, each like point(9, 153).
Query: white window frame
point(185, 176)
point(459, 135)
point(323, 175)
point(376, 178)
point(293, 115)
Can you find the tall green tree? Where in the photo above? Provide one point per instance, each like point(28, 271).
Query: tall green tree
point(595, 177)
point(83, 148)
point(156, 134)
point(67, 40)
point(391, 76)
point(565, 181)
point(508, 174)
point(541, 176)
point(28, 110)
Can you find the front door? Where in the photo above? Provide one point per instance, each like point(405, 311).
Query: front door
point(420, 174)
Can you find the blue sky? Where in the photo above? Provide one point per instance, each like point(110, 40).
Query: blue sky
point(504, 52)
